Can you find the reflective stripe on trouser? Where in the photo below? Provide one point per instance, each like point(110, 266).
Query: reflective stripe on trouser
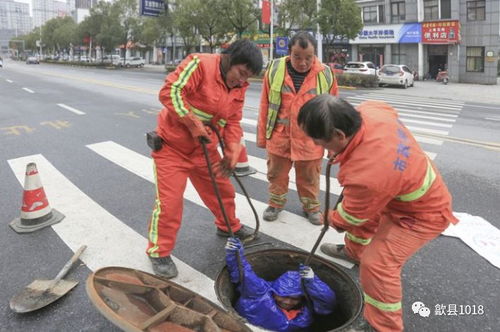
point(307, 174)
point(380, 271)
point(172, 171)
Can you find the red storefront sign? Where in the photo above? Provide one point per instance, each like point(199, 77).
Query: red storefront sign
point(441, 32)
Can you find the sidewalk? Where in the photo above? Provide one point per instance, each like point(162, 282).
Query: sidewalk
point(476, 93)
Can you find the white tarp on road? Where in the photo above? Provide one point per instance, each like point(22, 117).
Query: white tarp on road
point(479, 234)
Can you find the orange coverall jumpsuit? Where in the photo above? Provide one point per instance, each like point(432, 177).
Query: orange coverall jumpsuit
point(395, 201)
point(196, 85)
point(289, 144)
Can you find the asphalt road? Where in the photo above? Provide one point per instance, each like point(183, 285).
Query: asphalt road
point(85, 129)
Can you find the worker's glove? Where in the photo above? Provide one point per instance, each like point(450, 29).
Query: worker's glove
point(226, 166)
point(306, 272)
point(233, 244)
point(195, 126)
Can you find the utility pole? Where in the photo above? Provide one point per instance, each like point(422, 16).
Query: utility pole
point(271, 32)
point(319, 36)
point(40, 41)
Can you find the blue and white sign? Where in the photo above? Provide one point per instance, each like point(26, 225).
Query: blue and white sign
point(410, 33)
point(282, 45)
point(152, 7)
point(389, 34)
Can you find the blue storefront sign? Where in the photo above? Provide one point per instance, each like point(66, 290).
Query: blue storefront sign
point(282, 45)
point(390, 34)
point(410, 33)
point(152, 7)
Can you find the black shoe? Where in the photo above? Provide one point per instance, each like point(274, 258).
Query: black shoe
point(164, 266)
point(271, 213)
point(243, 233)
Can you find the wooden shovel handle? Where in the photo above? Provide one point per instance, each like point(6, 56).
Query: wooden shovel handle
point(69, 264)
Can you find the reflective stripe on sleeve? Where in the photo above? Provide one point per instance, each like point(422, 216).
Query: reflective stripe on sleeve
point(357, 239)
point(348, 218)
point(176, 88)
point(430, 176)
point(381, 305)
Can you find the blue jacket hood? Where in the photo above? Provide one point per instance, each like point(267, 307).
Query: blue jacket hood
point(288, 284)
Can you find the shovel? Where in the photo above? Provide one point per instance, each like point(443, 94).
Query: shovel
point(40, 293)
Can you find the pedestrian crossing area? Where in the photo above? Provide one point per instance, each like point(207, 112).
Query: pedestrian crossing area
point(86, 220)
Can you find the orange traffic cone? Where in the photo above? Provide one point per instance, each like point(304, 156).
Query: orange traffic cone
point(35, 212)
point(242, 167)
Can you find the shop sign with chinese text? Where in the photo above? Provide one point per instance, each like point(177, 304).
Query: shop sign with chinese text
point(441, 32)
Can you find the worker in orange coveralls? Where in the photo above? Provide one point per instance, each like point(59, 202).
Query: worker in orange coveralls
point(290, 82)
point(204, 89)
point(394, 199)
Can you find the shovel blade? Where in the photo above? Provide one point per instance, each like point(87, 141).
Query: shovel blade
point(38, 294)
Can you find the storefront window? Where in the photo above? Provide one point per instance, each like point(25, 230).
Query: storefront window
point(431, 9)
point(398, 11)
point(370, 14)
point(476, 10)
point(475, 59)
point(381, 14)
point(397, 56)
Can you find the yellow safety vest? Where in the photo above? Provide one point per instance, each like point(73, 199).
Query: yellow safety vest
point(276, 77)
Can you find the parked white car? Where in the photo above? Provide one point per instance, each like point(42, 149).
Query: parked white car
point(363, 68)
point(399, 75)
point(134, 62)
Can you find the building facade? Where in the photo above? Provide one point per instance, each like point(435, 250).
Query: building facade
point(44, 10)
point(15, 20)
point(461, 36)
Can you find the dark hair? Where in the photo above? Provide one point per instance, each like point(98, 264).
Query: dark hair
point(320, 116)
point(303, 38)
point(245, 52)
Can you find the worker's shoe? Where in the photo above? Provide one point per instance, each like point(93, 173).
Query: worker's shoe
point(314, 217)
point(242, 233)
point(271, 213)
point(164, 266)
point(337, 251)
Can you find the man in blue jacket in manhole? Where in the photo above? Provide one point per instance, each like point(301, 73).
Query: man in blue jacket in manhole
point(278, 305)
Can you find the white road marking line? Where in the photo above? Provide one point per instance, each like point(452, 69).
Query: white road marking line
point(28, 90)
point(71, 109)
point(408, 103)
point(413, 111)
point(494, 118)
point(419, 99)
point(10, 81)
point(426, 130)
point(289, 228)
point(428, 123)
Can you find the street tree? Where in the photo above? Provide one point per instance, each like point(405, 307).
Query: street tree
point(339, 19)
point(242, 15)
point(66, 34)
point(50, 38)
point(126, 12)
point(211, 25)
point(295, 15)
point(183, 18)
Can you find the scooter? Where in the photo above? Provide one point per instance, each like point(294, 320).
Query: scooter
point(443, 76)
